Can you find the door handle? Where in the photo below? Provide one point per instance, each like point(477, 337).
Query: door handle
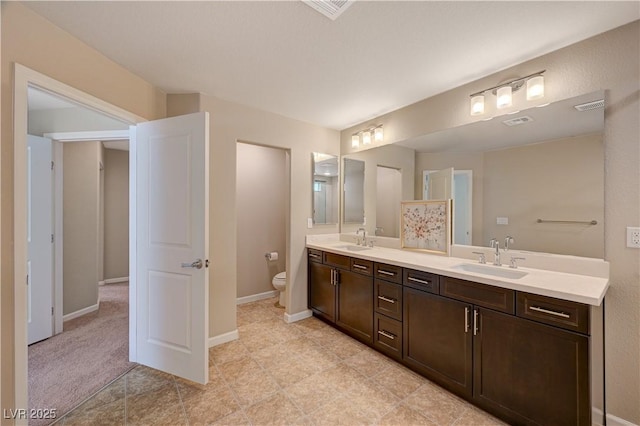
point(197, 264)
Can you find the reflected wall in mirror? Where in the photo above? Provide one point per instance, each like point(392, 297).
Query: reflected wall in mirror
point(353, 191)
point(326, 183)
point(384, 167)
point(542, 163)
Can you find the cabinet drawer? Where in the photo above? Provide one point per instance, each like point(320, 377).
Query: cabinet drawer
point(337, 260)
point(388, 299)
point(360, 266)
point(314, 255)
point(388, 272)
point(421, 280)
point(488, 296)
point(561, 313)
point(388, 336)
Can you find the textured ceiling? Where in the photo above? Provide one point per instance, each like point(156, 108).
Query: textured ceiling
point(286, 58)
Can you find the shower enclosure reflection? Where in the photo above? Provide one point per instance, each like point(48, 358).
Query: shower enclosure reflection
point(326, 196)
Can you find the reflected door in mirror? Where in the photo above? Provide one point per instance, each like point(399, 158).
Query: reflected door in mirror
point(353, 191)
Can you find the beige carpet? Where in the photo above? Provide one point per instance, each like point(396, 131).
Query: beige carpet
point(92, 351)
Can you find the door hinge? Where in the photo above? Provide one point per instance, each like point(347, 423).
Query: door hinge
point(206, 263)
point(52, 164)
point(27, 279)
point(52, 311)
point(52, 238)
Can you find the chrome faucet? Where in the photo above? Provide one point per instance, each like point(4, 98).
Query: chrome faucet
point(364, 236)
point(495, 244)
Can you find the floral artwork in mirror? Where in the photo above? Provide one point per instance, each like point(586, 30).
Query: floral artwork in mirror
point(325, 184)
point(426, 225)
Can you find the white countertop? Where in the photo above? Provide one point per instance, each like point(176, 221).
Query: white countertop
point(574, 287)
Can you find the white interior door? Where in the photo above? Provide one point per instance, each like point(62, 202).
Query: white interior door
point(441, 184)
point(39, 239)
point(172, 198)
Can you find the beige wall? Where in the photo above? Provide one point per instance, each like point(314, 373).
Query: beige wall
point(261, 196)
point(116, 214)
point(609, 61)
point(34, 42)
point(81, 225)
point(230, 123)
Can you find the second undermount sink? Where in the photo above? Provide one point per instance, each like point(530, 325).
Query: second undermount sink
point(353, 247)
point(496, 271)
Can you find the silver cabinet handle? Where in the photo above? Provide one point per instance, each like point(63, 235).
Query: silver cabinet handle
point(466, 319)
point(355, 265)
point(415, 280)
point(546, 311)
point(387, 335)
point(386, 299)
point(197, 264)
point(333, 276)
point(390, 274)
point(475, 322)
point(314, 255)
point(336, 275)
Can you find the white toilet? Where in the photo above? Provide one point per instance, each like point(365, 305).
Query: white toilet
point(279, 283)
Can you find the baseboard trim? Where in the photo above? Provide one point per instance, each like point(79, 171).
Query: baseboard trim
point(617, 421)
point(81, 312)
point(223, 338)
point(114, 281)
point(289, 318)
point(256, 297)
point(597, 417)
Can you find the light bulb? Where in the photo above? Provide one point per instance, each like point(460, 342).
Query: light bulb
point(504, 97)
point(366, 137)
point(477, 105)
point(355, 141)
point(378, 134)
point(535, 88)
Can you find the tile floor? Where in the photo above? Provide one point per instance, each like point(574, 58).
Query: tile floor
point(304, 373)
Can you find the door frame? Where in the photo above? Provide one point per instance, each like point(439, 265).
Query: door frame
point(24, 78)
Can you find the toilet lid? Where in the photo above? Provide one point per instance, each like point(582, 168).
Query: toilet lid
point(282, 276)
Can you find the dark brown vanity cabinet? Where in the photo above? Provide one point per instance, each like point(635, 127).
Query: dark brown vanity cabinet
point(531, 373)
point(388, 310)
point(341, 292)
point(520, 356)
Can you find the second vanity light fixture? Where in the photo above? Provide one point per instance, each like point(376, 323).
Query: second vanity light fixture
point(368, 135)
point(504, 92)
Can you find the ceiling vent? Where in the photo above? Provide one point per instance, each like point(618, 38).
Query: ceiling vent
point(590, 105)
point(329, 8)
point(517, 121)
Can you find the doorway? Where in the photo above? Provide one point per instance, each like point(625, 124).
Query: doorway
point(25, 79)
point(78, 305)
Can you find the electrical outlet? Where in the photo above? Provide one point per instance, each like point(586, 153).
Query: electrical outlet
point(633, 237)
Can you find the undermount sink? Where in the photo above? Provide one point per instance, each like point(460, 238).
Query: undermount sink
point(353, 247)
point(496, 271)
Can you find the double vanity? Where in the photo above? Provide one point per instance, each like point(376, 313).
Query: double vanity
point(513, 341)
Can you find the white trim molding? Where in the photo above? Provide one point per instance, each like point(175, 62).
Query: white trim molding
point(114, 281)
point(617, 421)
point(97, 135)
point(597, 417)
point(289, 318)
point(81, 312)
point(256, 297)
point(223, 338)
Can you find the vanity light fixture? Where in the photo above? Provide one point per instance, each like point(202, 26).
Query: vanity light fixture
point(367, 136)
point(504, 92)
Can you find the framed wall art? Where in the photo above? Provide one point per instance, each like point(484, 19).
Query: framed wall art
point(426, 225)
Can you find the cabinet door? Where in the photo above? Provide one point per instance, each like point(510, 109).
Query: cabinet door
point(437, 339)
point(355, 305)
point(530, 372)
point(322, 291)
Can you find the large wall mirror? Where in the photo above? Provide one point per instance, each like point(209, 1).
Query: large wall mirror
point(536, 175)
point(353, 198)
point(326, 184)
